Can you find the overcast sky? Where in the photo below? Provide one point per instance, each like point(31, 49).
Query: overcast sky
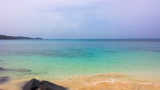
point(86, 19)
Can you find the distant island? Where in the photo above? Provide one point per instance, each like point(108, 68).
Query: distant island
point(15, 37)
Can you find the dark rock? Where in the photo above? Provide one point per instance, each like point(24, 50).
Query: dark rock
point(4, 80)
point(15, 37)
point(2, 69)
point(31, 85)
point(41, 85)
point(45, 85)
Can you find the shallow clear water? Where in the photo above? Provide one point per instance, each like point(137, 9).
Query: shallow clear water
point(65, 58)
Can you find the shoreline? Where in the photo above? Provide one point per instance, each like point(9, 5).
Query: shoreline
point(111, 81)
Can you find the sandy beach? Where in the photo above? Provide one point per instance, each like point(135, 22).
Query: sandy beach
point(110, 81)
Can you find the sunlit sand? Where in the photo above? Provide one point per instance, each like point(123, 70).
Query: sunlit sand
point(111, 81)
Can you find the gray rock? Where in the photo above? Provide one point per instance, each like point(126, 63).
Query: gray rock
point(35, 84)
point(2, 69)
point(4, 80)
point(31, 85)
point(45, 85)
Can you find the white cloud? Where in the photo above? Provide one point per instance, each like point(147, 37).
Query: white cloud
point(38, 17)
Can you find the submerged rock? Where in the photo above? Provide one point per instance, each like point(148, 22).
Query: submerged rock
point(35, 84)
point(4, 80)
point(16, 70)
point(2, 69)
point(22, 70)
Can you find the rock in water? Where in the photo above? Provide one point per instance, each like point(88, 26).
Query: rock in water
point(2, 69)
point(35, 84)
point(45, 85)
point(16, 70)
point(31, 85)
point(4, 80)
point(22, 70)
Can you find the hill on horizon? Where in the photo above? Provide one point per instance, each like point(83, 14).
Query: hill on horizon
point(15, 37)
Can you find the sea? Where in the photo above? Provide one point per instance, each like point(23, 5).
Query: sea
point(61, 58)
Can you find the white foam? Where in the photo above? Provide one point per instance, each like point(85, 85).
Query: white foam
point(113, 81)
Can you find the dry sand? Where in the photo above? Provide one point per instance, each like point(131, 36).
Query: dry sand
point(112, 81)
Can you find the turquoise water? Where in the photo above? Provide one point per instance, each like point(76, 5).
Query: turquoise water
point(65, 58)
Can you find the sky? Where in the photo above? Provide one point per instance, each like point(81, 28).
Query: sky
point(80, 19)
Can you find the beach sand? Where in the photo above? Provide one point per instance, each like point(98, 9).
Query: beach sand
point(110, 81)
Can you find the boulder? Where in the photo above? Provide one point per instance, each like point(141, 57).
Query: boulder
point(35, 84)
point(45, 85)
point(31, 85)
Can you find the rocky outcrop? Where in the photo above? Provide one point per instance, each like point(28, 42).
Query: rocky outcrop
point(35, 84)
point(4, 80)
point(31, 85)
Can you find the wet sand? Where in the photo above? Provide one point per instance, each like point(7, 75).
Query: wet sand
point(111, 81)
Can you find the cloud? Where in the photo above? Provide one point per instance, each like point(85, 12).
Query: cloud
point(80, 18)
